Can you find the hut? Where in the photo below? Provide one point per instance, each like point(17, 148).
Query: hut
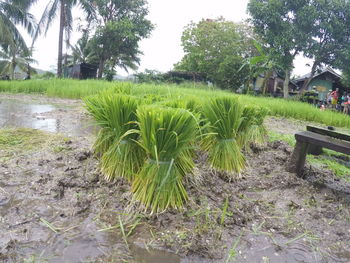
point(81, 71)
point(321, 83)
point(274, 84)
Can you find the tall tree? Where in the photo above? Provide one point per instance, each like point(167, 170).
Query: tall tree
point(330, 34)
point(120, 25)
point(217, 48)
point(63, 9)
point(285, 26)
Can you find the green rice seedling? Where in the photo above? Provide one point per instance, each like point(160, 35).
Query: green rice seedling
point(252, 129)
point(167, 136)
point(224, 116)
point(116, 140)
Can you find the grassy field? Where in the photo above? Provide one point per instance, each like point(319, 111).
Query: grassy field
point(75, 89)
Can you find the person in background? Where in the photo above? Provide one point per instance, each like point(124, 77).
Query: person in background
point(335, 96)
point(346, 104)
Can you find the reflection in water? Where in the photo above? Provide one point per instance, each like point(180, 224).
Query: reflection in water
point(14, 113)
point(17, 114)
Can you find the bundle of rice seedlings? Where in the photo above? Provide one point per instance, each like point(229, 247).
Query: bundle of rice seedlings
point(116, 140)
point(224, 116)
point(167, 136)
point(252, 129)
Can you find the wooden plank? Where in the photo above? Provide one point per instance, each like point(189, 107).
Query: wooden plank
point(323, 141)
point(334, 134)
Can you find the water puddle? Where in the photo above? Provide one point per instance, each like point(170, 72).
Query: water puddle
point(46, 117)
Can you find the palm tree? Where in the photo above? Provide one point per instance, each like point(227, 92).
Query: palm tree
point(13, 12)
point(14, 55)
point(64, 9)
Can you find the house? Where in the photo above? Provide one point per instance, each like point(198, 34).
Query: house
point(274, 84)
point(322, 82)
point(81, 71)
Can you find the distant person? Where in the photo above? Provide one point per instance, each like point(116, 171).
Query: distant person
point(335, 96)
point(346, 104)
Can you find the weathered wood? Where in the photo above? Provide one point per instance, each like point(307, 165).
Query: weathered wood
point(334, 134)
point(296, 165)
point(304, 140)
point(315, 149)
point(323, 141)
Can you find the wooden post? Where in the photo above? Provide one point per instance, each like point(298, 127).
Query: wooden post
point(297, 161)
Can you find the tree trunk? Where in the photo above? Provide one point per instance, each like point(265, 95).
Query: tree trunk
point(275, 83)
point(60, 39)
point(100, 68)
point(286, 84)
point(266, 81)
point(307, 81)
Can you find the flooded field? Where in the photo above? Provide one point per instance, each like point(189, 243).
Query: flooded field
point(56, 207)
point(46, 117)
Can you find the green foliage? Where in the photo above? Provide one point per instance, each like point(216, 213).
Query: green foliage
point(224, 116)
point(120, 25)
point(116, 141)
point(167, 136)
point(217, 48)
point(14, 13)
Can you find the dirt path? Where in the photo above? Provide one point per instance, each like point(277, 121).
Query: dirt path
point(56, 207)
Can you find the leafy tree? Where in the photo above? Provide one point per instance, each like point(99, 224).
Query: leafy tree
point(120, 25)
point(12, 13)
point(217, 48)
point(330, 34)
point(63, 8)
point(14, 56)
point(285, 27)
point(82, 52)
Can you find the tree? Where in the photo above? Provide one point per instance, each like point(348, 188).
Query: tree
point(218, 49)
point(330, 34)
point(12, 13)
point(15, 56)
point(285, 27)
point(81, 51)
point(64, 9)
point(120, 25)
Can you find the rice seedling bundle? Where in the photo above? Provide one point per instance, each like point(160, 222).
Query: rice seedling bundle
point(116, 140)
point(167, 136)
point(224, 116)
point(252, 129)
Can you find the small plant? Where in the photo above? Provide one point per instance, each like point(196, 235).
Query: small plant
point(116, 140)
point(224, 116)
point(166, 136)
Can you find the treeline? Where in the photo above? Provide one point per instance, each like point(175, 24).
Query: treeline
point(111, 30)
point(232, 54)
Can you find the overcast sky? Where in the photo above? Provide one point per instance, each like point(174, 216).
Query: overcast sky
point(163, 49)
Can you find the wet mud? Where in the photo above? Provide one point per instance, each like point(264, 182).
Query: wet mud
point(55, 206)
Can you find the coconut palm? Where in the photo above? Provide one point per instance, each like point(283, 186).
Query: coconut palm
point(12, 13)
point(63, 8)
point(14, 55)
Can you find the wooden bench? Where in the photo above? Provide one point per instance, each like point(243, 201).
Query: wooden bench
point(316, 149)
point(331, 140)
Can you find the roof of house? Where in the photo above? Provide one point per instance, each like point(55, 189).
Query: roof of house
point(325, 70)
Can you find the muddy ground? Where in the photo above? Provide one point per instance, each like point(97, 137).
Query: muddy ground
point(56, 207)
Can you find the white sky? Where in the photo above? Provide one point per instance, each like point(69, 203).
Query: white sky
point(163, 49)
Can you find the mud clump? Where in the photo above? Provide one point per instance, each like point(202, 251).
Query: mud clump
point(59, 208)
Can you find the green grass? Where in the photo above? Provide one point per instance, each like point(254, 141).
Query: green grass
point(77, 89)
point(337, 168)
point(275, 136)
point(16, 141)
point(328, 160)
